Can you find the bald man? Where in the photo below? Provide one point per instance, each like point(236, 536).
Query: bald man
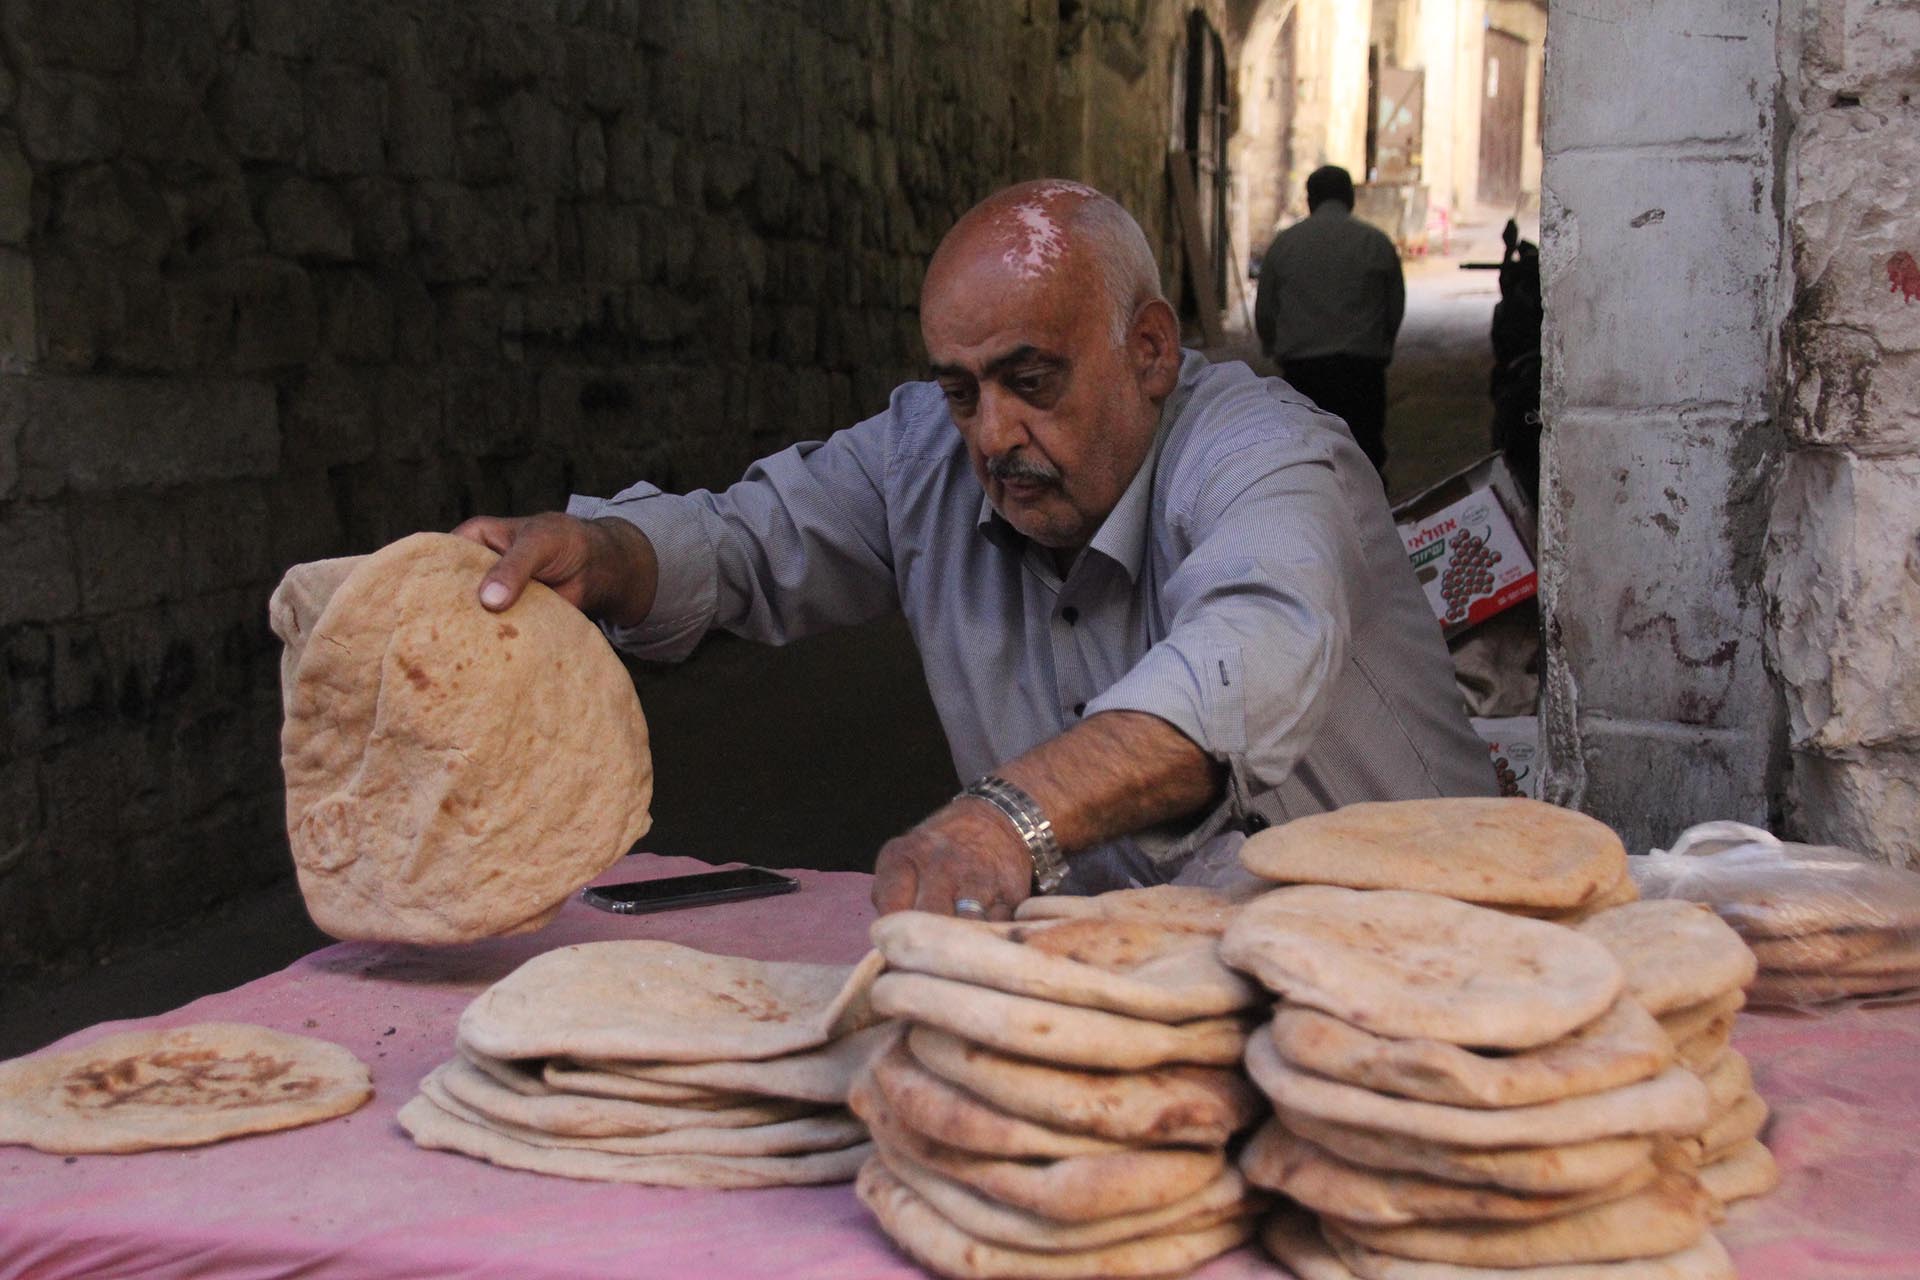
point(1160, 603)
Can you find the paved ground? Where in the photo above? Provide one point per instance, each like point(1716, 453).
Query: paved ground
point(812, 755)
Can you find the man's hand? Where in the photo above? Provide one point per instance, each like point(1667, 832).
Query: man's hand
point(604, 568)
point(965, 850)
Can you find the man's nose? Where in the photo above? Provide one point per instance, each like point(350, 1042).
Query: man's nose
point(1000, 424)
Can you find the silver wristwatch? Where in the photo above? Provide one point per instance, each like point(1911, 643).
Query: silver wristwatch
point(1036, 832)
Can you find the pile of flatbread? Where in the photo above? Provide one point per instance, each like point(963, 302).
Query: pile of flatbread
point(451, 773)
point(177, 1087)
point(651, 1062)
point(1689, 969)
point(1059, 1097)
point(1460, 1091)
point(1512, 854)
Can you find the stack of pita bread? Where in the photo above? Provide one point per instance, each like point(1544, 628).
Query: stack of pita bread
point(1688, 968)
point(651, 1062)
point(1461, 1091)
point(1060, 1096)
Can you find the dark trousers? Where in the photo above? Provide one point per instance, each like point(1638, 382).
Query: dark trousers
point(1349, 387)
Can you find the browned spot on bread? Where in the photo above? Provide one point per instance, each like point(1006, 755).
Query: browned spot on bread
point(507, 631)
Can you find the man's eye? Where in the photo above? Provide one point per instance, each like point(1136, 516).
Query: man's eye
point(959, 397)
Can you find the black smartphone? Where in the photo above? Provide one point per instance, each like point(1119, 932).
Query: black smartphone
point(638, 896)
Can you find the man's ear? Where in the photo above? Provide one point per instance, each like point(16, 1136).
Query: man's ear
point(1153, 343)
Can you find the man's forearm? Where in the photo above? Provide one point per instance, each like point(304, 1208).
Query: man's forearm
point(1115, 773)
point(624, 573)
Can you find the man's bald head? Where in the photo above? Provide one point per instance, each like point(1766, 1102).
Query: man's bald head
point(1052, 233)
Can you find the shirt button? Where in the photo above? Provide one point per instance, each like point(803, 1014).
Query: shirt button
point(1079, 708)
point(1071, 614)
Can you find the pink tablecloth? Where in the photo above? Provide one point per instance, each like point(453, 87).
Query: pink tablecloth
point(354, 1198)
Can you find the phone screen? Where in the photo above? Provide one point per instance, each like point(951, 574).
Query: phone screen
point(638, 896)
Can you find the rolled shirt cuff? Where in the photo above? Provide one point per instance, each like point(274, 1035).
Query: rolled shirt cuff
point(688, 589)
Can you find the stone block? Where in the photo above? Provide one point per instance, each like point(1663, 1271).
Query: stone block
point(1651, 782)
point(259, 108)
point(115, 209)
point(357, 317)
point(1611, 75)
point(590, 158)
point(19, 336)
point(346, 120)
point(37, 578)
point(101, 36)
point(379, 209)
point(327, 418)
point(179, 46)
point(128, 549)
point(1843, 589)
point(1667, 310)
point(305, 521)
point(1868, 801)
point(275, 318)
point(171, 133)
point(20, 817)
point(1862, 48)
point(150, 340)
point(540, 138)
point(96, 435)
point(66, 119)
point(458, 235)
point(82, 305)
point(109, 783)
point(224, 539)
point(407, 405)
point(16, 191)
point(419, 129)
point(489, 412)
point(305, 219)
point(606, 74)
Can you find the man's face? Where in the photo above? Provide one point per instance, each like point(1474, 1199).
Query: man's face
point(1054, 414)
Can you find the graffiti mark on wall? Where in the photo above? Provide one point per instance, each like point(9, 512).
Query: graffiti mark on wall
point(1903, 273)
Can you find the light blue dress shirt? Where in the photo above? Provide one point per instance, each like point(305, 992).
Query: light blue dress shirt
point(1249, 588)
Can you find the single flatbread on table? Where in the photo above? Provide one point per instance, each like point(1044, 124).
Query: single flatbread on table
point(930, 1106)
point(1693, 1019)
point(1510, 852)
point(1132, 967)
point(1621, 1046)
point(1195, 908)
point(1285, 1162)
point(634, 1000)
point(436, 1129)
point(1419, 966)
point(1537, 1170)
point(176, 1087)
point(1743, 1171)
point(940, 1246)
point(821, 1074)
point(584, 1116)
point(1672, 1102)
point(1056, 1033)
point(451, 773)
point(1163, 1106)
point(1675, 953)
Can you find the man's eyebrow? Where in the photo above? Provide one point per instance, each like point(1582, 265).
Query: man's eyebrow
point(999, 364)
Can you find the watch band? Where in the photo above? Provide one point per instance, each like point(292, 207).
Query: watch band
point(1036, 832)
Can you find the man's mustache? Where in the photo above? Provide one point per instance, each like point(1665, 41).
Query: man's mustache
point(1021, 470)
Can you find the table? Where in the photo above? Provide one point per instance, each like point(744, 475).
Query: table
point(353, 1197)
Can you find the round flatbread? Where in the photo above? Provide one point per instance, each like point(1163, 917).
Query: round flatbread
point(1164, 1106)
point(584, 1116)
point(1690, 1020)
point(439, 1130)
point(1286, 1162)
point(176, 1087)
point(1738, 1124)
point(1706, 1259)
point(659, 1001)
point(1056, 1033)
point(1672, 1102)
point(452, 773)
point(1541, 1170)
point(817, 1075)
point(1741, 1172)
point(1621, 1046)
point(1728, 1078)
point(1675, 953)
point(945, 1249)
point(1131, 967)
point(935, 1109)
point(1821, 952)
point(1177, 906)
point(1292, 1238)
point(1498, 851)
point(1417, 966)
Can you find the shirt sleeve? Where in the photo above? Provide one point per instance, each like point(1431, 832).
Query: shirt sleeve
point(798, 546)
point(1260, 607)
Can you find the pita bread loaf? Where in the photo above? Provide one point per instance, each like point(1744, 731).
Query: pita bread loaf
point(294, 610)
point(1225, 1197)
point(635, 1000)
point(1675, 953)
point(1690, 1020)
point(816, 1075)
point(1698, 1051)
point(1055, 1032)
point(1706, 1259)
point(1666, 1216)
point(581, 1116)
point(1621, 1046)
point(1417, 966)
point(452, 773)
point(1728, 1078)
point(439, 1130)
point(563, 1076)
point(1131, 967)
point(1292, 1238)
point(947, 1114)
point(1739, 1124)
point(1502, 851)
point(819, 1131)
point(942, 1247)
point(1166, 1106)
point(1740, 1173)
point(1177, 906)
point(1672, 1102)
point(177, 1087)
point(1288, 1163)
point(1551, 1170)
point(1821, 952)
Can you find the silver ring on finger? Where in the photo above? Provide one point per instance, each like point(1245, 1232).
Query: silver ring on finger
point(970, 908)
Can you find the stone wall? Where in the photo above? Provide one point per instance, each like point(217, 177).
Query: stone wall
point(1842, 567)
point(282, 279)
point(1661, 262)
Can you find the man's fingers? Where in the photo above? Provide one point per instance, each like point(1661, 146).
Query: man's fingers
point(894, 885)
point(492, 532)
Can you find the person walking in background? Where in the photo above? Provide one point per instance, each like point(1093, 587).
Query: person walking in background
point(1329, 306)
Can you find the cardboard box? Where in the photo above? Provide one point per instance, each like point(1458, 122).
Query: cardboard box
point(1469, 558)
point(1514, 744)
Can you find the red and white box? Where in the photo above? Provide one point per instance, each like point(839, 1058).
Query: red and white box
point(1514, 744)
point(1470, 560)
